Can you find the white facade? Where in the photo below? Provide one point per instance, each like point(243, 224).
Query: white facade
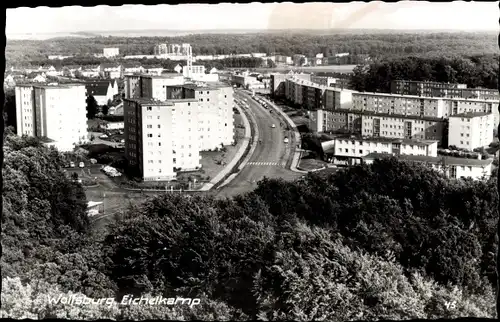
point(471, 130)
point(451, 167)
point(169, 140)
point(361, 147)
point(54, 112)
point(393, 126)
point(110, 52)
point(112, 126)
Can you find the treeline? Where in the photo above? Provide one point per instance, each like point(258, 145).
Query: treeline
point(283, 43)
point(475, 71)
point(386, 241)
point(233, 62)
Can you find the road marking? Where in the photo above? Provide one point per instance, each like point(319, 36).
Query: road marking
point(266, 163)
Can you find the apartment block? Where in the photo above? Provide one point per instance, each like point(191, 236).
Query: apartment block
point(216, 117)
point(161, 137)
point(337, 99)
point(350, 149)
point(55, 112)
point(402, 127)
point(150, 86)
point(471, 130)
point(454, 106)
point(398, 104)
point(328, 121)
point(278, 83)
point(342, 83)
point(421, 88)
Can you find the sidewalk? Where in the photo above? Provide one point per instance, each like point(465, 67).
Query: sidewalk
point(296, 143)
point(239, 154)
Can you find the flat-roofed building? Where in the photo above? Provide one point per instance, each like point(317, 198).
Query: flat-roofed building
point(471, 130)
point(150, 86)
point(398, 104)
point(421, 88)
point(216, 116)
point(161, 137)
point(350, 149)
point(55, 112)
point(111, 52)
point(451, 167)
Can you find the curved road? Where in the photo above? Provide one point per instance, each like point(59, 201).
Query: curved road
point(269, 157)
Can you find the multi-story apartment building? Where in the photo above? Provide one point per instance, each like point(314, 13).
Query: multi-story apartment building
point(420, 88)
point(454, 168)
point(215, 114)
point(331, 81)
point(378, 124)
point(111, 52)
point(55, 112)
point(150, 86)
point(350, 149)
point(398, 104)
point(278, 83)
point(471, 130)
point(337, 99)
point(161, 137)
point(161, 49)
point(401, 127)
point(435, 89)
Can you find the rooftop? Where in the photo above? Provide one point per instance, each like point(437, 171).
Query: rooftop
point(435, 160)
point(471, 114)
point(383, 139)
point(411, 117)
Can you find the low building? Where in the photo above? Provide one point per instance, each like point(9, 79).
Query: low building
point(110, 52)
point(454, 168)
point(470, 130)
point(112, 126)
point(350, 149)
point(112, 71)
point(102, 91)
point(132, 68)
point(154, 70)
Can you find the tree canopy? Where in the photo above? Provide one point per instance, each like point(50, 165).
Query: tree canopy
point(475, 71)
point(391, 240)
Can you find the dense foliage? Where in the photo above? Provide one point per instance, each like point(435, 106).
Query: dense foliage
point(391, 240)
point(280, 43)
point(475, 71)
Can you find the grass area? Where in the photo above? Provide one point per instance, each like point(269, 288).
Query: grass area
point(311, 164)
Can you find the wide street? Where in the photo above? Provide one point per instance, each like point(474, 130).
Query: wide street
point(270, 155)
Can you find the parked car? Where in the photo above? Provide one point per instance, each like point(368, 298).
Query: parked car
point(93, 161)
point(285, 140)
point(81, 165)
point(72, 164)
point(273, 126)
point(104, 136)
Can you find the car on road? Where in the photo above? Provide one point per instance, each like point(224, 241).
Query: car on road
point(81, 165)
point(273, 126)
point(285, 140)
point(104, 136)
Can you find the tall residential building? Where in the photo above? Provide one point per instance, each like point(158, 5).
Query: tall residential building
point(161, 138)
point(471, 130)
point(55, 112)
point(111, 52)
point(150, 86)
point(216, 125)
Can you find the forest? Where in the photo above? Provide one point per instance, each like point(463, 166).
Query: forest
point(375, 45)
point(391, 240)
point(475, 71)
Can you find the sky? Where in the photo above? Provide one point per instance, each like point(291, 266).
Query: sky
point(458, 15)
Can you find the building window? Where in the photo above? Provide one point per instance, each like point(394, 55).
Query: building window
point(159, 126)
point(149, 108)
